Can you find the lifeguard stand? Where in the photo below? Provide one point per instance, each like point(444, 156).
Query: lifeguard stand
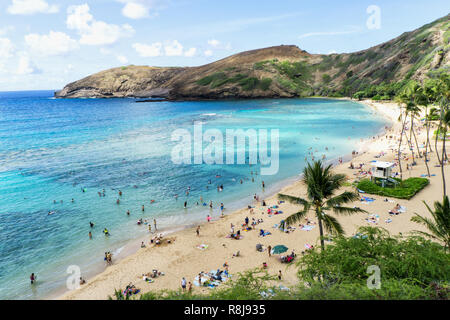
point(383, 171)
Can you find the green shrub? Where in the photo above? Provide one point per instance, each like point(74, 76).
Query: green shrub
point(248, 84)
point(406, 189)
point(265, 83)
point(209, 79)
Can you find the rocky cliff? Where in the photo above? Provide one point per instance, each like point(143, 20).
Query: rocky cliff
point(280, 71)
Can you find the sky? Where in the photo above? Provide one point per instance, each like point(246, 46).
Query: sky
point(45, 44)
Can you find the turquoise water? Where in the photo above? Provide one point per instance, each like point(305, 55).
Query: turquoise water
point(51, 149)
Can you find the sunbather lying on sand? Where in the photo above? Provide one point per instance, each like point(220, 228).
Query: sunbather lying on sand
point(395, 210)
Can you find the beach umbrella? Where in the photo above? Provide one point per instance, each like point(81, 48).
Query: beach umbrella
point(279, 249)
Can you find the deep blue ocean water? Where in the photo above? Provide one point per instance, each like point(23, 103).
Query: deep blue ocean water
point(52, 149)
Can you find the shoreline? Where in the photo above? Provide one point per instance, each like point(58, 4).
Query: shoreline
point(289, 183)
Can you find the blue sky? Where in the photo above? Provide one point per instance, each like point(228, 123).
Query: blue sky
point(45, 44)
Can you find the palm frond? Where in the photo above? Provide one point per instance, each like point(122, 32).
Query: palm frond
point(292, 199)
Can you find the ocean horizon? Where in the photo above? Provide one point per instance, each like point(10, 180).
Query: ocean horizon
point(55, 150)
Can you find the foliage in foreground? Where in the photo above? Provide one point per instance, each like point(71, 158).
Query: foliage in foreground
point(439, 225)
point(406, 189)
point(410, 268)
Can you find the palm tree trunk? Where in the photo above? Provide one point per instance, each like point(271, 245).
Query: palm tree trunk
point(415, 138)
point(399, 155)
point(442, 165)
point(428, 140)
point(322, 242)
point(436, 141)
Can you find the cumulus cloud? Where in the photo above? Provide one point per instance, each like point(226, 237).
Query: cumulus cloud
point(29, 7)
point(138, 9)
point(214, 43)
point(52, 44)
point(6, 48)
point(26, 66)
point(191, 52)
point(208, 53)
point(173, 48)
point(134, 10)
point(146, 51)
point(122, 59)
point(93, 32)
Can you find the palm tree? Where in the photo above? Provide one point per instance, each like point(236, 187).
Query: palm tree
point(322, 185)
point(443, 97)
point(445, 125)
point(439, 226)
point(401, 99)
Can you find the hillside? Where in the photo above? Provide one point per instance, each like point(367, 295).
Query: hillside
point(280, 71)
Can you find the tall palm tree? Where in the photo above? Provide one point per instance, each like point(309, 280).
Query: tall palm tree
point(443, 97)
point(322, 184)
point(445, 125)
point(402, 99)
point(439, 225)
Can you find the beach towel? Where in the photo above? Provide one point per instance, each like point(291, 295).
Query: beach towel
point(266, 233)
point(402, 209)
point(202, 246)
point(360, 191)
point(308, 228)
point(367, 199)
point(307, 246)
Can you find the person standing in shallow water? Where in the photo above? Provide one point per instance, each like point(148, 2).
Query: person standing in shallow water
point(154, 223)
point(32, 278)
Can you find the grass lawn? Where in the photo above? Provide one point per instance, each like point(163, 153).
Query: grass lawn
point(405, 190)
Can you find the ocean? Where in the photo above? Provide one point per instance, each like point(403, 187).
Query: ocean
point(56, 150)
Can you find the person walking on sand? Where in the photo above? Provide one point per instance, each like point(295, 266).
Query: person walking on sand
point(149, 227)
point(269, 248)
point(154, 223)
point(279, 274)
point(198, 231)
point(183, 284)
point(190, 287)
point(208, 218)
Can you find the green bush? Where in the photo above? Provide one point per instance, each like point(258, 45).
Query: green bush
point(265, 83)
point(209, 79)
point(406, 189)
point(410, 268)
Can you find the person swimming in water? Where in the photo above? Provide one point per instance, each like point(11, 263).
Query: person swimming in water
point(91, 224)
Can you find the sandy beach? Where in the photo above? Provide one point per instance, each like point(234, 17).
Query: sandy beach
point(183, 258)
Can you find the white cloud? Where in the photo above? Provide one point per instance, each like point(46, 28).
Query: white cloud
point(138, 9)
point(355, 29)
point(28, 7)
point(122, 59)
point(55, 43)
point(208, 53)
point(26, 66)
point(173, 48)
point(146, 51)
point(190, 53)
point(134, 10)
point(95, 32)
point(214, 43)
point(6, 48)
